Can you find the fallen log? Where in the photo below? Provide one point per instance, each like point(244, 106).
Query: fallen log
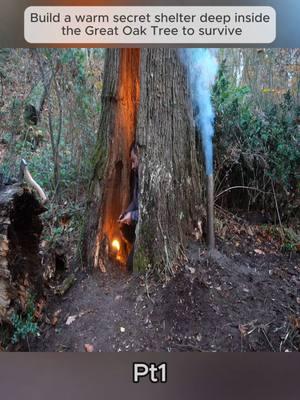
point(21, 271)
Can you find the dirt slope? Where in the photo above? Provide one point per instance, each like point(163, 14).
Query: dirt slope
point(240, 300)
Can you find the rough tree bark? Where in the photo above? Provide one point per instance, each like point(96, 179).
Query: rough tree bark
point(145, 99)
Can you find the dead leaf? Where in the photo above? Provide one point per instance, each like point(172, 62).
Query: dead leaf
point(82, 313)
point(248, 328)
point(295, 322)
point(258, 251)
point(199, 337)
point(192, 270)
point(250, 231)
point(71, 319)
point(55, 316)
point(88, 348)
point(38, 313)
point(243, 329)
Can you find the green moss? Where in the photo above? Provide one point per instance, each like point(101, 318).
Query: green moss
point(144, 253)
point(99, 158)
point(141, 260)
point(98, 163)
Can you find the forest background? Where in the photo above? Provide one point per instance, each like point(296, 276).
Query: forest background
point(257, 103)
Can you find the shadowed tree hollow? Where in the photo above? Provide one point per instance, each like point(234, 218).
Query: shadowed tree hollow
point(146, 100)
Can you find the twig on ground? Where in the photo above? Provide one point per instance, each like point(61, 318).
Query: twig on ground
point(186, 346)
point(267, 339)
point(284, 340)
point(278, 214)
point(183, 254)
point(28, 343)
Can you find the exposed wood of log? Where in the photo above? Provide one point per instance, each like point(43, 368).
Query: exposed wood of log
point(20, 264)
point(24, 173)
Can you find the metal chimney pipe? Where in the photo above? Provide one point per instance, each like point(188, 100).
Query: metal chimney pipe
point(210, 213)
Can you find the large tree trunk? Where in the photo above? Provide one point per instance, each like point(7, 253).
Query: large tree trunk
point(145, 99)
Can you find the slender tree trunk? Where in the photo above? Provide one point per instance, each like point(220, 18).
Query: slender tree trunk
point(145, 99)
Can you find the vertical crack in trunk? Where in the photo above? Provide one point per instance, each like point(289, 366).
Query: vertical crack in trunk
point(117, 180)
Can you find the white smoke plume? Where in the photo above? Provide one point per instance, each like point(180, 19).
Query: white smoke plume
point(202, 68)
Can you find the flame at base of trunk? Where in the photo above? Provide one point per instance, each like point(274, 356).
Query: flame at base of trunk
point(117, 251)
point(115, 245)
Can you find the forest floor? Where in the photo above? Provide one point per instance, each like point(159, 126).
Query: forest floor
point(245, 297)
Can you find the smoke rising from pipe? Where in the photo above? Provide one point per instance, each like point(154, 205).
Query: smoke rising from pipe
point(202, 67)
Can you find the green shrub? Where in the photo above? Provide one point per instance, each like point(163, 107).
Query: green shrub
point(24, 324)
point(265, 136)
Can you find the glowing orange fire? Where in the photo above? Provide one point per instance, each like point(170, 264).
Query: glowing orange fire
point(116, 249)
point(115, 245)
